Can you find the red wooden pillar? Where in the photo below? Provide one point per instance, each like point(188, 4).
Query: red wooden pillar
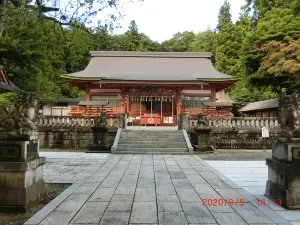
point(179, 104)
point(213, 94)
point(87, 97)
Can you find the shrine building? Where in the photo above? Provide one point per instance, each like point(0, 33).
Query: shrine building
point(151, 88)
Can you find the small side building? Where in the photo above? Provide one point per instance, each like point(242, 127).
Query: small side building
point(267, 108)
point(62, 107)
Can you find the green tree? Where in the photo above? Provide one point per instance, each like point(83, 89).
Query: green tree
point(261, 7)
point(180, 42)
point(80, 11)
point(283, 27)
point(280, 66)
point(224, 17)
point(32, 53)
point(228, 50)
point(133, 38)
point(204, 42)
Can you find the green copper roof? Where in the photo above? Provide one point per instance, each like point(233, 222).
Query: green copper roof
point(80, 78)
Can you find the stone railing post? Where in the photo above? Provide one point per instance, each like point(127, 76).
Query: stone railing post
point(184, 121)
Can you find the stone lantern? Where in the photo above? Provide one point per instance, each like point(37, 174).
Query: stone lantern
point(100, 134)
point(283, 185)
point(203, 132)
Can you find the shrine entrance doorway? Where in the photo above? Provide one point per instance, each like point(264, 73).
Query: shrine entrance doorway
point(152, 111)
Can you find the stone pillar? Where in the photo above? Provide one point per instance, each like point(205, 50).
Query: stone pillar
point(283, 185)
point(21, 176)
point(120, 120)
point(203, 139)
point(184, 121)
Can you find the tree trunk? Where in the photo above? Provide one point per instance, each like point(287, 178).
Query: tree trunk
point(2, 7)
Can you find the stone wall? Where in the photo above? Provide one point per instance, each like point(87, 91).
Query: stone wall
point(69, 137)
point(243, 139)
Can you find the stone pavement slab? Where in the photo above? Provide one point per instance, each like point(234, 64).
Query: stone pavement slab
point(252, 176)
point(149, 189)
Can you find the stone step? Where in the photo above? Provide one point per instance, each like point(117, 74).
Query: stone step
point(152, 138)
point(153, 145)
point(151, 153)
point(138, 141)
point(152, 142)
point(148, 150)
point(152, 131)
point(167, 133)
point(152, 135)
point(155, 135)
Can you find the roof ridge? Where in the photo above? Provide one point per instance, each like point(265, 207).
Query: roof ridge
point(151, 54)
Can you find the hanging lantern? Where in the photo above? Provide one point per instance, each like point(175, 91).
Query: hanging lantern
point(158, 98)
point(166, 99)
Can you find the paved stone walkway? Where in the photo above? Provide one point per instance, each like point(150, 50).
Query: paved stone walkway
point(252, 176)
point(145, 189)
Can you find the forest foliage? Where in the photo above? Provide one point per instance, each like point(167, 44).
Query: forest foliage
point(262, 48)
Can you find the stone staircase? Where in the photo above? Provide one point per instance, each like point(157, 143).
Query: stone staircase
point(152, 142)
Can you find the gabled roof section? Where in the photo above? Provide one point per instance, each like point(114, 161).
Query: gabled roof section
point(267, 104)
point(150, 66)
point(5, 83)
point(223, 96)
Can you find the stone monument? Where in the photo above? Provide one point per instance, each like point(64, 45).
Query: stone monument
point(100, 135)
point(21, 168)
point(203, 131)
point(283, 185)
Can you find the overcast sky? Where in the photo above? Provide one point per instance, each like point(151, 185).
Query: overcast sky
point(161, 19)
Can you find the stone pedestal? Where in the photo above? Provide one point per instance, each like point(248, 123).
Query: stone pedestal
point(21, 175)
point(100, 141)
point(284, 173)
point(203, 139)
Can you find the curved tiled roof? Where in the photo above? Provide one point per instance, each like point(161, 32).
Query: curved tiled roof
point(150, 66)
point(267, 104)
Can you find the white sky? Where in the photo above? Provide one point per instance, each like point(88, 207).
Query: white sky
point(161, 19)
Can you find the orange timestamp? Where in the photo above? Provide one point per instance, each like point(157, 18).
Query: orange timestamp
point(269, 202)
point(222, 202)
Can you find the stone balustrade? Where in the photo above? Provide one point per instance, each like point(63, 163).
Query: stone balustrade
point(240, 122)
point(70, 121)
point(214, 122)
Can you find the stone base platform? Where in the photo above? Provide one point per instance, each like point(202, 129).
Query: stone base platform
point(283, 183)
point(204, 148)
point(98, 148)
point(21, 184)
